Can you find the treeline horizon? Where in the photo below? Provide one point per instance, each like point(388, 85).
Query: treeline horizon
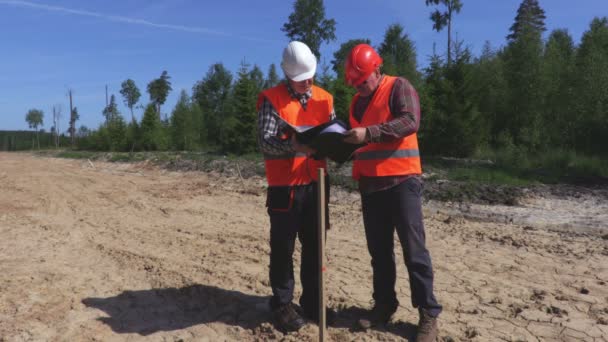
point(529, 96)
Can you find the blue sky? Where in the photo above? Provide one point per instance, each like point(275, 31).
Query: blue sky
point(51, 46)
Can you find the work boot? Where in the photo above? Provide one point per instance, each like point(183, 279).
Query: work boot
point(287, 319)
point(427, 327)
point(379, 315)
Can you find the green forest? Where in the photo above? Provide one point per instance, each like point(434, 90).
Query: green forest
point(539, 94)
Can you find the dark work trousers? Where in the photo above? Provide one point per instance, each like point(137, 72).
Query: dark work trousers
point(399, 208)
point(293, 213)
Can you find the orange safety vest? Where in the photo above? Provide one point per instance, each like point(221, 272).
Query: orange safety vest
point(296, 168)
point(400, 157)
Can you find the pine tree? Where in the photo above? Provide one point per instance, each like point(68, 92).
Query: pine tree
point(199, 123)
point(34, 119)
point(492, 90)
point(399, 55)
point(591, 84)
point(111, 110)
point(444, 19)
point(433, 120)
point(257, 77)
point(159, 89)
point(115, 127)
point(212, 94)
point(273, 77)
point(452, 123)
point(307, 23)
point(130, 94)
point(524, 77)
point(242, 127)
point(467, 128)
point(133, 138)
point(152, 132)
point(530, 19)
point(558, 73)
point(183, 125)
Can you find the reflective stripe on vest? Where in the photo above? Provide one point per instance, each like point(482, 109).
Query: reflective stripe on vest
point(396, 158)
point(369, 155)
point(295, 168)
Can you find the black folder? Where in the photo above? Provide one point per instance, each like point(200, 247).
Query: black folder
point(328, 140)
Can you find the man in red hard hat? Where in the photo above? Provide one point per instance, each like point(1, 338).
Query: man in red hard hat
point(385, 113)
point(291, 173)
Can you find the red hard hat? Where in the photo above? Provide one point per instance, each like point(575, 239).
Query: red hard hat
point(360, 63)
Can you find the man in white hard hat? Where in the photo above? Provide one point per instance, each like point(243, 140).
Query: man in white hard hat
point(291, 172)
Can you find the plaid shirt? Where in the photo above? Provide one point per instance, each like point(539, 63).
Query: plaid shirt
point(270, 129)
point(405, 108)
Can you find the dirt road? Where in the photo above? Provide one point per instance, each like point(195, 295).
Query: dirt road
point(129, 252)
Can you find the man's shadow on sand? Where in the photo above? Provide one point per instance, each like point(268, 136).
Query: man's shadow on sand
point(347, 318)
point(148, 311)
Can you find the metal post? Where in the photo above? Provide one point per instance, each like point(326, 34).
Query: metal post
point(321, 237)
point(72, 121)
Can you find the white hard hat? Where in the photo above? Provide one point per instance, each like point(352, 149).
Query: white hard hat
point(299, 63)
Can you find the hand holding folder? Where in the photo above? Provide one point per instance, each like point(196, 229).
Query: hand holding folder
point(326, 139)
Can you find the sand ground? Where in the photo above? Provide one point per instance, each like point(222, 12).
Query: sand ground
point(95, 251)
